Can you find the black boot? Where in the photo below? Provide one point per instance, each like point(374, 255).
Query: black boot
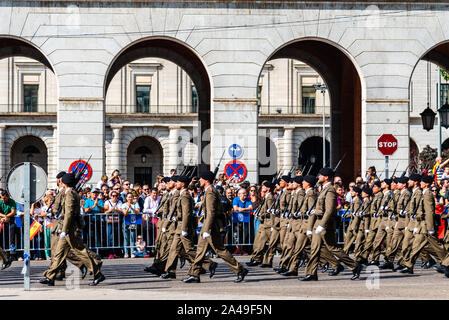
point(334, 272)
point(241, 275)
point(386, 265)
point(168, 275)
point(309, 277)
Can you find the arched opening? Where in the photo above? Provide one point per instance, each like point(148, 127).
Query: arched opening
point(144, 159)
point(429, 88)
point(268, 158)
point(310, 155)
point(414, 157)
point(345, 95)
point(186, 59)
point(29, 149)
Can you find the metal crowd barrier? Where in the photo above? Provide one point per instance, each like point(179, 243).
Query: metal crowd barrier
point(103, 234)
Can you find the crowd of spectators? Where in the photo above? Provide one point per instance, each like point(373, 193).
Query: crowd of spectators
point(120, 221)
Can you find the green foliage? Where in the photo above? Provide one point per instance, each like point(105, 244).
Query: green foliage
point(427, 158)
point(444, 74)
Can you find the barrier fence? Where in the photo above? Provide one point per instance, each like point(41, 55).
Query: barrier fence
point(117, 234)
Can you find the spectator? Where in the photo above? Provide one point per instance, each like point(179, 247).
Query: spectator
point(126, 189)
point(222, 180)
point(36, 214)
point(140, 250)
point(115, 178)
point(129, 227)
point(112, 209)
point(337, 180)
point(348, 197)
point(242, 204)
point(445, 173)
point(149, 218)
point(341, 203)
point(254, 196)
point(103, 182)
point(438, 169)
point(439, 210)
point(145, 193)
point(47, 216)
point(172, 172)
point(105, 191)
point(94, 207)
point(7, 212)
point(158, 180)
point(444, 186)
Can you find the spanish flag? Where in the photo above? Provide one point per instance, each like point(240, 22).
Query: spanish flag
point(34, 229)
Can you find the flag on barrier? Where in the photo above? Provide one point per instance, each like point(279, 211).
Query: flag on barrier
point(34, 229)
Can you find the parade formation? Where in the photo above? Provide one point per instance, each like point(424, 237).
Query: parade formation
point(394, 218)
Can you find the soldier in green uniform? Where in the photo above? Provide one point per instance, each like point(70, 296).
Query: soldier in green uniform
point(210, 236)
point(264, 230)
point(423, 229)
point(353, 227)
point(70, 235)
point(184, 222)
point(325, 227)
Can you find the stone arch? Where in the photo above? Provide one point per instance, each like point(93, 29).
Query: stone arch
point(29, 148)
point(13, 134)
point(414, 165)
point(179, 53)
point(140, 171)
point(346, 89)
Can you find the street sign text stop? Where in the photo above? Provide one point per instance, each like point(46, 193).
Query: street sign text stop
point(387, 144)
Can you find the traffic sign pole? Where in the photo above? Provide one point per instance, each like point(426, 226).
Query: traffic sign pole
point(387, 158)
point(26, 220)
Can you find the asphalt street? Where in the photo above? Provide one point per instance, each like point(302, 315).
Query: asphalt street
point(126, 279)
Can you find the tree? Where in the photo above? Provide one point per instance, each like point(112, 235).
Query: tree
point(427, 158)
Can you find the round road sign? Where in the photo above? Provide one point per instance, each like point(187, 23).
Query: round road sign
point(77, 166)
point(15, 182)
point(236, 171)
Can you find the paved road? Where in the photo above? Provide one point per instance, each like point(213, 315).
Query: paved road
point(125, 279)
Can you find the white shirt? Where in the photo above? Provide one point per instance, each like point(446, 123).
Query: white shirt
point(151, 205)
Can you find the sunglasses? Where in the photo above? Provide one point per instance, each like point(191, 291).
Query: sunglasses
point(126, 184)
point(114, 195)
point(146, 189)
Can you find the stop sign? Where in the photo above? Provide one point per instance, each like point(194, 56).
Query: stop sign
point(387, 144)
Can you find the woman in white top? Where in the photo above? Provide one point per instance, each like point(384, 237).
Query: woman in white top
point(130, 207)
point(36, 210)
point(112, 209)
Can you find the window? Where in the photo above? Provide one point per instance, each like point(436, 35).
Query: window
point(259, 97)
point(30, 92)
point(195, 102)
point(143, 99)
point(444, 93)
point(308, 99)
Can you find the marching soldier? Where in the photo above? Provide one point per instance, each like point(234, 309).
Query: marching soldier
point(279, 224)
point(158, 265)
point(353, 227)
point(264, 230)
point(407, 242)
point(210, 233)
point(70, 235)
point(364, 215)
point(54, 235)
point(324, 229)
point(184, 222)
point(296, 197)
point(423, 229)
point(383, 210)
point(374, 221)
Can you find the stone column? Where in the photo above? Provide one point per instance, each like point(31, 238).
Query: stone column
point(287, 153)
point(3, 155)
point(385, 116)
point(235, 121)
point(173, 160)
point(116, 149)
point(81, 133)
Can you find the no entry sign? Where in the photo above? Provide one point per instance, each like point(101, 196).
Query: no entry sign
point(387, 144)
point(235, 170)
point(77, 166)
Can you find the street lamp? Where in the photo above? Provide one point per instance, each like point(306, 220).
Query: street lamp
point(428, 118)
point(323, 88)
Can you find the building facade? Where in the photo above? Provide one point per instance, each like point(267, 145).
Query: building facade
point(146, 86)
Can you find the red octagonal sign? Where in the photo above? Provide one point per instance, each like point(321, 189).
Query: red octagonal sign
point(387, 144)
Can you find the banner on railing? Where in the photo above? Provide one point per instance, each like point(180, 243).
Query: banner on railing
point(133, 219)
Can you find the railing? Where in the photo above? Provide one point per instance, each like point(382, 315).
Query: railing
point(283, 109)
point(152, 109)
point(107, 235)
point(24, 108)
